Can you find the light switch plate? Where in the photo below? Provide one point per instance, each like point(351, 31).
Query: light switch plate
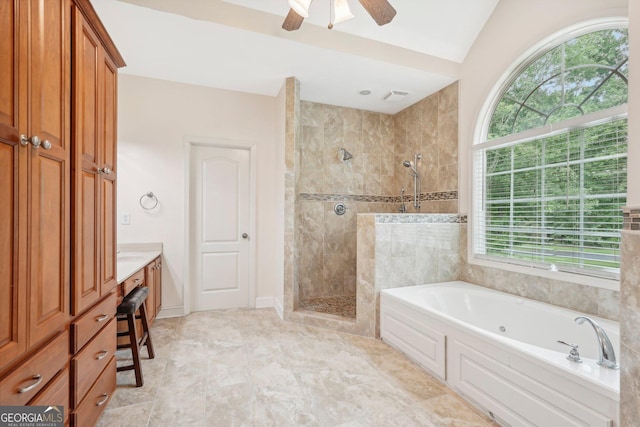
point(125, 218)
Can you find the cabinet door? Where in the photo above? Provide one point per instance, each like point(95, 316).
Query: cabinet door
point(10, 95)
point(49, 216)
point(107, 145)
point(150, 281)
point(13, 191)
point(158, 286)
point(86, 180)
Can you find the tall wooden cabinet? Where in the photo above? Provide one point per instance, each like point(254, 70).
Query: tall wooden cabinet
point(94, 160)
point(58, 83)
point(35, 147)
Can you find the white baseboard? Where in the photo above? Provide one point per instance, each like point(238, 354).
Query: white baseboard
point(170, 312)
point(277, 305)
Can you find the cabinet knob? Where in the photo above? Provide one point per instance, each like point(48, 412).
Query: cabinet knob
point(105, 170)
point(35, 141)
point(245, 236)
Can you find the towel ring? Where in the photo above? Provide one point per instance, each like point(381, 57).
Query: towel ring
point(151, 196)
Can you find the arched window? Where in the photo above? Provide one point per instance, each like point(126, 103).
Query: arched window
point(550, 174)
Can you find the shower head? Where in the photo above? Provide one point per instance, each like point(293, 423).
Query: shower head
point(408, 164)
point(346, 155)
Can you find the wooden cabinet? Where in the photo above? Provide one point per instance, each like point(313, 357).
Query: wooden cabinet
point(25, 381)
point(34, 172)
point(94, 160)
point(95, 63)
point(153, 280)
point(47, 270)
point(97, 398)
point(88, 364)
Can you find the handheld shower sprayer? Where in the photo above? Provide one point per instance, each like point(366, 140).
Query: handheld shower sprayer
point(409, 164)
point(416, 179)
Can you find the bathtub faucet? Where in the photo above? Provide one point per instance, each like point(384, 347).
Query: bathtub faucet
point(605, 348)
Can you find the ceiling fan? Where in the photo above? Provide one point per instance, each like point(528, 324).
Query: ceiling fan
point(380, 10)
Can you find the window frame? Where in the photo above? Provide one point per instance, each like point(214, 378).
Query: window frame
point(480, 143)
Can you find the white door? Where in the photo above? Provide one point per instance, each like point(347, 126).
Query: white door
point(220, 201)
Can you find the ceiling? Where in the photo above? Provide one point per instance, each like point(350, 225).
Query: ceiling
point(239, 45)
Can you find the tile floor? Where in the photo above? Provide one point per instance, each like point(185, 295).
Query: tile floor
point(249, 368)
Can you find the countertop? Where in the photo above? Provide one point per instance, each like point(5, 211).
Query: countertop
point(133, 257)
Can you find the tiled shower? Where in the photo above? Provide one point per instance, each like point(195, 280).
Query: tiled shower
point(369, 182)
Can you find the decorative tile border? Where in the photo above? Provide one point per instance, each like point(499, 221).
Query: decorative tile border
point(318, 197)
point(420, 218)
point(631, 218)
point(425, 197)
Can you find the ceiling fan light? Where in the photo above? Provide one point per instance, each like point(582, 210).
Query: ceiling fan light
point(301, 7)
point(341, 11)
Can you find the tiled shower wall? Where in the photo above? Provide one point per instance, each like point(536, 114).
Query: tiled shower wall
point(402, 250)
point(430, 128)
point(326, 242)
point(370, 182)
point(630, 319)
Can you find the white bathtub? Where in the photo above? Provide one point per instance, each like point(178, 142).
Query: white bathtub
point(501, 352)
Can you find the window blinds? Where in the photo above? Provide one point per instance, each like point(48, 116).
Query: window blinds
point(555, 201)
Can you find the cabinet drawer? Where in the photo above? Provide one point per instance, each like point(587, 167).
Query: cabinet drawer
point(55, 394)
point(97, 398)
point(87, 325)
point(91, 360)
point(136, 280)
point(31, 376)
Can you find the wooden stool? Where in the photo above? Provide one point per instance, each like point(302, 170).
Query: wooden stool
point(127, 312)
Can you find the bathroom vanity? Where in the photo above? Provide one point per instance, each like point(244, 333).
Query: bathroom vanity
point(141, 265)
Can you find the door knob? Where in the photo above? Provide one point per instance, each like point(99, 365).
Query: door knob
point(245, 236)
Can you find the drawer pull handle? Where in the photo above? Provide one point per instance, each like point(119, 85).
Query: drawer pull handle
point(102, 317)
point(137, 281)
point(105, 397)
point(102, 355)
point(38, 380)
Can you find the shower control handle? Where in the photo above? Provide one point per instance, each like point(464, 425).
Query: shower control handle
point(245, 236)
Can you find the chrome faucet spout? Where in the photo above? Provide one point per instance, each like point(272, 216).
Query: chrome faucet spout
point(607, 356)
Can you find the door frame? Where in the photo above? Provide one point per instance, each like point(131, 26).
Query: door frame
point(212, 142)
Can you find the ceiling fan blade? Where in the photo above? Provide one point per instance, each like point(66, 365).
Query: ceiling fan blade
point(293, 21)
point(380, 10)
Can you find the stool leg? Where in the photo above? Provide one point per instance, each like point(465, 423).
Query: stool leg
point(146, 333)
point(135, 350)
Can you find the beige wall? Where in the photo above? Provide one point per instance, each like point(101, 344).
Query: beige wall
point(154, 117)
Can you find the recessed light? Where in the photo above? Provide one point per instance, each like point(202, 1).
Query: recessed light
point(364, 92)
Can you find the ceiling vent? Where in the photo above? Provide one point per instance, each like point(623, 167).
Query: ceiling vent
point(395, 95)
